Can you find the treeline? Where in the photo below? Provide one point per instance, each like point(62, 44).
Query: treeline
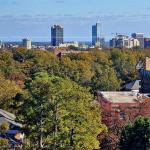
point(98, 70)
point(54, 97)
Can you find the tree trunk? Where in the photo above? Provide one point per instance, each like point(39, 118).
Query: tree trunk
point(40, 140)
point(55, 125)
point(40, 133)
point(71, 138)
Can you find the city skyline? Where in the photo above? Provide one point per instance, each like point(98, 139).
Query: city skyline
point(26, 19)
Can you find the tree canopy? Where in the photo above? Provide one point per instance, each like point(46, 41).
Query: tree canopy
point(136, 136)
point(54, 97)
point(60, 114)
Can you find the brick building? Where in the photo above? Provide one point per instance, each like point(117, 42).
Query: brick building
point(121, 107)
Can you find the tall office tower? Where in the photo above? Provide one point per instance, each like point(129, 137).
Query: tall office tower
point(27, 43)
point(140, 38)
point(57, 35)
point(96, 34)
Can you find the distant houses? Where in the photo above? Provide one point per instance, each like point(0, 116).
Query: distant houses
point(118, 108)
point(14, 135)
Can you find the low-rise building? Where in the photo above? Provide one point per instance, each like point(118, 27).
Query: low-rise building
point(83, 46)
point(139, 37)
point(132, 86)
point(147, 42)
point(64, 52)
point(14, 134)
point(74, 44)
point(134, 43)
point(120, 107)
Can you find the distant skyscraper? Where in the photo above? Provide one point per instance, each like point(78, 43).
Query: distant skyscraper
point(57, 35)
point(27, 43)
point(140, 38)
point(96, 36)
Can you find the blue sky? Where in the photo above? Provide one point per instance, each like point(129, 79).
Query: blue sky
point(33, 18)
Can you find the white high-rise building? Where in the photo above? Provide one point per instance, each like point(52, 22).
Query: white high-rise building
point(134, 43)
point(140, 38)
point(27, 43)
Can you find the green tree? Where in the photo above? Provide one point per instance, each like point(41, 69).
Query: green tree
point(8, 90)
point(76, 70)
point(60, 114)
point(124, 63)
point(21, 54)
point(4, 127)
point(4, 144)
point(136, 136)
point(105, 79)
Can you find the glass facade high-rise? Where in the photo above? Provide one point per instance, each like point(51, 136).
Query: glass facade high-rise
point(96, 35)
point(57, 35)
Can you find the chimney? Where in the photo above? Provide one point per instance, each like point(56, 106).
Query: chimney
point(147, 64)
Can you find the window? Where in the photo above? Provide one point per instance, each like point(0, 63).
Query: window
point(122, 115)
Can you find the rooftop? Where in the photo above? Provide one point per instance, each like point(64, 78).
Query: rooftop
point(57, 26)
point(120, 97)
point(8, 117)
point(135, 85)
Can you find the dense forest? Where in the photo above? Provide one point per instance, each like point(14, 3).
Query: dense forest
point(55, 98)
